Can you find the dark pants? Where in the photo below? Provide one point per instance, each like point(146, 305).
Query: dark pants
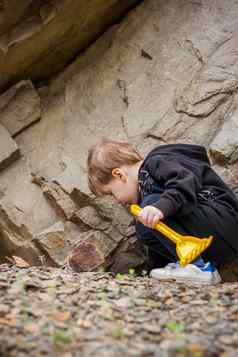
point(209, 217)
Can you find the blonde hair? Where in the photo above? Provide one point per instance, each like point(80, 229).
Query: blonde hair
point(103, 157)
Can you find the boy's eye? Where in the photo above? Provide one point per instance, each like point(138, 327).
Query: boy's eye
point(107, 193)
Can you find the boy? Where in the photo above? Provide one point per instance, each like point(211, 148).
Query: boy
point(174, 183)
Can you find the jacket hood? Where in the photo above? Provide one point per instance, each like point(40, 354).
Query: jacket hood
point(195, 152)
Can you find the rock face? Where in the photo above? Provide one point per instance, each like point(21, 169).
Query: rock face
point(16, 237)
point(37, 38)
point(167, 73)
point(9, 150)
point(20, 107)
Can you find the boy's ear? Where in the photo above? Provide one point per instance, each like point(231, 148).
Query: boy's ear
point(118, 173)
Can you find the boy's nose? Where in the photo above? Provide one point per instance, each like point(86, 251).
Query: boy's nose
point(123, 202)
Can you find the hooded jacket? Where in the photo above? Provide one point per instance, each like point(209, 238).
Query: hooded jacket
point(181, 172)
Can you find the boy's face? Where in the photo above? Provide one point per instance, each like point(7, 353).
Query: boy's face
point(123, 186)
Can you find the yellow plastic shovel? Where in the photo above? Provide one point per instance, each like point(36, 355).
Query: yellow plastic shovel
point(188, 248)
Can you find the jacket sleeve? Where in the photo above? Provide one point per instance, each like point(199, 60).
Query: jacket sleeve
point(180, 186)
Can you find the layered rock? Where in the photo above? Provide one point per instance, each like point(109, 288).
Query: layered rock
point(92, 235)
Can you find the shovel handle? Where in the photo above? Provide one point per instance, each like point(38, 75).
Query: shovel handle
point(160, 226)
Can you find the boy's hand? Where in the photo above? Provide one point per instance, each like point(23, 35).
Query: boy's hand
point(150, 216)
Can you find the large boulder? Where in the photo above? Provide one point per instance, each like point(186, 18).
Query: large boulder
point(38, 38)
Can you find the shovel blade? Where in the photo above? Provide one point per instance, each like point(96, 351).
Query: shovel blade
point(189, 248)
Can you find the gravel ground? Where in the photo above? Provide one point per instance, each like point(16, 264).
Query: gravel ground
point(54, 312)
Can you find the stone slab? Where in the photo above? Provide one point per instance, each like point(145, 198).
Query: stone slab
point(20, 107)
point(9, 151)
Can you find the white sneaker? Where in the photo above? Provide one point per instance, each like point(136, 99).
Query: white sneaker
point(190, 274)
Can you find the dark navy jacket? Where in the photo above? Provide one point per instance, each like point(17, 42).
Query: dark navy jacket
point(181, 172)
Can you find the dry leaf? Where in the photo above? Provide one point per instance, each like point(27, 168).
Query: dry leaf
point(62, 316)
point(9, 322)
point(195, 348)
point(84, 323)
point(20, 263)
point(31, 327)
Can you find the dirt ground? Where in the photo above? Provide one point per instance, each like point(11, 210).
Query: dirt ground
point(55, 312)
